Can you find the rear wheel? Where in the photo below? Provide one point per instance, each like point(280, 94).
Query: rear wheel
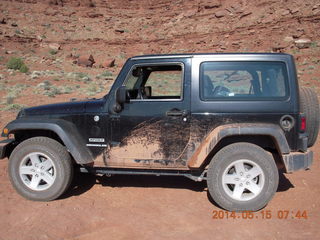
point(242, 177)
point(40, 169)
point(309, 105)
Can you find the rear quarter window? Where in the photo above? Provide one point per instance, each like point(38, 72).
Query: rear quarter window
point(243, 80)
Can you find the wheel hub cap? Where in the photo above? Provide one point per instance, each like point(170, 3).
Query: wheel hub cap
point(243, 180)
point(37, 171)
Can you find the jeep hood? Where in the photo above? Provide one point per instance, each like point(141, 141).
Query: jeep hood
point(76, 107)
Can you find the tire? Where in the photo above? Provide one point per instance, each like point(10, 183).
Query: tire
point(40, 169)
point(238, 163)
point(309, 105)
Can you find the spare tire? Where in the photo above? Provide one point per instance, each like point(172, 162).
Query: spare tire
point(309, 105)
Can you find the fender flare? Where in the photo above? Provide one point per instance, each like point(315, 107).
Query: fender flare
point(216, 135)
point(65, 130)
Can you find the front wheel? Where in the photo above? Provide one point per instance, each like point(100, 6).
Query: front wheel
point(40, 169)
point(242, 177)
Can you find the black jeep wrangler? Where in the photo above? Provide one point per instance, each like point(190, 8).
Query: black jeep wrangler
point(230, 119)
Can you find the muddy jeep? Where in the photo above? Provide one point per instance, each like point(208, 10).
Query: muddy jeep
point(230, 119)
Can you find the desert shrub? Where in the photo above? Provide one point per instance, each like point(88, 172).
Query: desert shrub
point(14, 91)
point(13, 107)
point(93, 89)
point(66, 89)
point(48, 89)
point(106, 74)
point(79, 77)
point(314, 44)
point(17, 64)
point(24, 69)
point(53, 52)
point(52, 92)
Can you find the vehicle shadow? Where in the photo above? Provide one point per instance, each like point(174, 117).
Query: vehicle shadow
point(84, 182)
point(152, 182)
point(81, 183)
point(284, 182)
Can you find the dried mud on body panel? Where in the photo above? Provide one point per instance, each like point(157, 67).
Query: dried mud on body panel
point(206, 133)
point(154, 144)
point(201, 127)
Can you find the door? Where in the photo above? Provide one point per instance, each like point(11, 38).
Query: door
point(153, 128)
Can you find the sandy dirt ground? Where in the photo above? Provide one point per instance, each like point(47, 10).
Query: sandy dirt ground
point(51, 36)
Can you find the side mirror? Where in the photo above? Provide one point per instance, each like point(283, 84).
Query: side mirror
point(121, 98)
point(121, 95)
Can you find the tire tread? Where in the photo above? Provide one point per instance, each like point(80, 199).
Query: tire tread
point(62, 155)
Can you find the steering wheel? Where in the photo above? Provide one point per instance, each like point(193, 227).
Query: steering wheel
point(221, 91)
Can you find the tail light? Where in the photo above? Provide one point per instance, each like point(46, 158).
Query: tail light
point(303, 123)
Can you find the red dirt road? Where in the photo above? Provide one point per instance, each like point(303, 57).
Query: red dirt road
point(142, 207)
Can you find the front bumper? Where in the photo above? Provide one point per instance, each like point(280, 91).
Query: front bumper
point(297, 160)
point(4, 146)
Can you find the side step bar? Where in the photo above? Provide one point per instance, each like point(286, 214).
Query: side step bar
point(193, 175)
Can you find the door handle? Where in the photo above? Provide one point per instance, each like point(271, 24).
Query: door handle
point(177, 113)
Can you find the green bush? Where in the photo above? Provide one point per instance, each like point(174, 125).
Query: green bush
point(24, 69)
point(53, 52)
point(17, 64)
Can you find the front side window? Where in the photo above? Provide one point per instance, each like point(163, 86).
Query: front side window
point(155, 82)
point(243, 80)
